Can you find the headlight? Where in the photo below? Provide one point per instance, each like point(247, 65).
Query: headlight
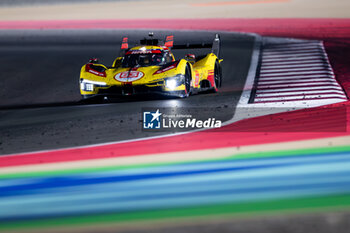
point(173, 82)
point(88, 85)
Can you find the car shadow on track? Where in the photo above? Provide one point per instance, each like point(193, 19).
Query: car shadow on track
point(124, 99)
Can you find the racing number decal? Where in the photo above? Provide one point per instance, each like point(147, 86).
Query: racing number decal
point(127, 76)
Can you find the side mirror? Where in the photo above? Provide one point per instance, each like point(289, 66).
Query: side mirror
point(190, 58)
point(117, 62)
point(93, 60)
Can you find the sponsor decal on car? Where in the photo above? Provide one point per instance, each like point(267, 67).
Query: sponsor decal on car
point(129, 76)
point(90, 69)
point(173, 66)
point(97, 73)
point(148, 51)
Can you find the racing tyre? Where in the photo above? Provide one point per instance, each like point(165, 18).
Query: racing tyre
point(187, 81)
point(217, 76)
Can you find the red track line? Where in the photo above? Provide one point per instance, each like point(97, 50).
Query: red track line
point(301, 75)
point(288, 68)
point(287, 51)
point(298, 78)
point(263, 80)
point(262, 85)
point(306, 89)
point(305, 94)
point(311, 126)
point(306, 99)
point(302, 51)
point(291, 48)
point(293, 63)
point(306, 86)
point(300, 70)
point(270, 57)
point(295, 54)
point(275, 60)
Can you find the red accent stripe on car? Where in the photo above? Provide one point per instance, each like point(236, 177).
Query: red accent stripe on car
point(91, 70)
point(148, 51)
point(173, 66)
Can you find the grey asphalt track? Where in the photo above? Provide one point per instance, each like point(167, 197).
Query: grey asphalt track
point(40, 104)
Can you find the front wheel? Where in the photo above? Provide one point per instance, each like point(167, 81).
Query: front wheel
point(187, 83)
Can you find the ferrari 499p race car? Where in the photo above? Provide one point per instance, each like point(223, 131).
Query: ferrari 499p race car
point(151, 67)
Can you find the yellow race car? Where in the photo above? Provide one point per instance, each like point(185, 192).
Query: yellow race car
point(151, 67)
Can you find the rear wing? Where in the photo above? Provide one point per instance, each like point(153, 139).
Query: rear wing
point(169, 42)
point(215, 45)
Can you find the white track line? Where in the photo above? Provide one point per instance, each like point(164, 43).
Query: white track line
point(298, 48)
point(286, 45)
point(293, 94)
point(291, 45)
point(307, 97)
point(294, 62)
point(300, 93)
point(265, 67)
point(308, 58)
point(297, 72)
point(297, 85)
point(302, 42)
point(301, 89)
point(292, 49)
point(262, 71)
point(288, 74)
point(282, 55)
point(297, 69)
point(296, 81)
point(298, 76)
point(286, 106)
point(292, 52)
